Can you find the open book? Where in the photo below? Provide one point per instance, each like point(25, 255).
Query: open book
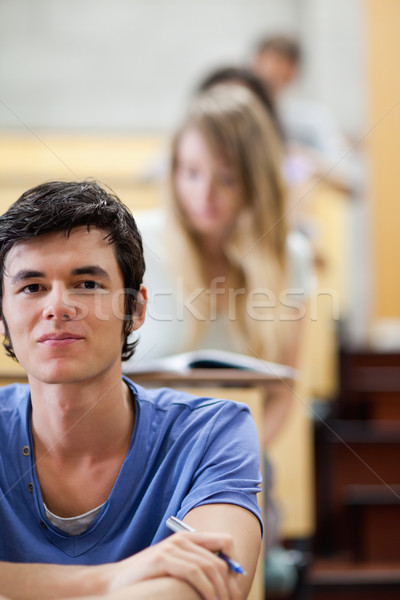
point(213, 359)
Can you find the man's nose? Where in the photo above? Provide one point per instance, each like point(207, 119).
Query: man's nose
point(59, 305)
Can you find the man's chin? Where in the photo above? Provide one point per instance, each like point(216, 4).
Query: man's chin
point(58, 377)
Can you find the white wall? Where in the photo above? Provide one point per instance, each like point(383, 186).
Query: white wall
point(130, 64)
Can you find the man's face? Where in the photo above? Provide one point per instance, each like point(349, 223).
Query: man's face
point(275, 70)
point(63, 301)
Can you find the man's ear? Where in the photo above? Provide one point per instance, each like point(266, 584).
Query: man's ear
point(2, 328)
point(139, 311)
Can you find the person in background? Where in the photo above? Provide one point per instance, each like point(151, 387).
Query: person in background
point(246, 77)
point(92, 465)
point(224, 271)
point(315, 143)
point(280, 573)
point(276, 61)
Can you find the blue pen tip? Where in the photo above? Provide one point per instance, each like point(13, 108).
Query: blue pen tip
point(238, 568)
point(233, 564)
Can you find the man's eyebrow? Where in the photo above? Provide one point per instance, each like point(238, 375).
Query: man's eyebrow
point(24, 274)
point(94, 270)
point(91, 270)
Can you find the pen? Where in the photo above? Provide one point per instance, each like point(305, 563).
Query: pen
point(177, 525)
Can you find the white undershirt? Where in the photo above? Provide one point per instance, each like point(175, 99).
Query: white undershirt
point(73, 525)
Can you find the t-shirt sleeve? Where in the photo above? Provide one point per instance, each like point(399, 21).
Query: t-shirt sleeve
point(228, 469)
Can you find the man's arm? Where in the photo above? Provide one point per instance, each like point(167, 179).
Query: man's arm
point(162, 587)
point(246, 539)
point(190, 562)
point(147, 590)
point(184, 565)
point(189, 577)
point(242, 526)
point(23, 580)
point(139, 576)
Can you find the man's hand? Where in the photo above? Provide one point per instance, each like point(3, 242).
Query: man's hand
point(189, 557)
point(182, 566)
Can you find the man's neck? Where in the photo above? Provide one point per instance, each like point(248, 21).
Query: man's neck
point(72, 420)
point(81, 435)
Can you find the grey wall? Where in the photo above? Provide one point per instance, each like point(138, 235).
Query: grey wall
point(130, 64)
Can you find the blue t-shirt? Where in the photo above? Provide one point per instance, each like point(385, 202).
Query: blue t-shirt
point(185, 451)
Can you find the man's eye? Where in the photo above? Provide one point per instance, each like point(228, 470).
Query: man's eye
point(32, 288)
point(89, 285)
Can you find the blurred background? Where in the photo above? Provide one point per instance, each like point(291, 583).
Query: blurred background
point(92, 88)
point(129, 65)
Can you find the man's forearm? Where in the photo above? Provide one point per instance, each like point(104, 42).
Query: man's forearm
point(50, 582)
point(166, 588)
point(184, 565)
point(19, 581)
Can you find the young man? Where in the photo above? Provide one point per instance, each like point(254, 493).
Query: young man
point(312, 132)
point(92, 465)
point(276, 61)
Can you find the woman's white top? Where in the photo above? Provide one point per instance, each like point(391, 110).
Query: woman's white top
point(163, 332)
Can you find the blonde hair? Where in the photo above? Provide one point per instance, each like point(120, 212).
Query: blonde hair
point(234, 123)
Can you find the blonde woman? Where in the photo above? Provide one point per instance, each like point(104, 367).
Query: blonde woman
point(222, 269)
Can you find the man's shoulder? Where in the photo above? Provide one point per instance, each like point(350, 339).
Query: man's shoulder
point(182, 419)
point(14, 400)
point(13, 394)
point(167, 399)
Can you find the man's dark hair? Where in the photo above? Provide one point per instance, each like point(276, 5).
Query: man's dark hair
point(248, 79)
point(281, 44)
point(62, 206)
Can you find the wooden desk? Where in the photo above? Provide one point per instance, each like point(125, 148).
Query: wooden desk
point(230, 378)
